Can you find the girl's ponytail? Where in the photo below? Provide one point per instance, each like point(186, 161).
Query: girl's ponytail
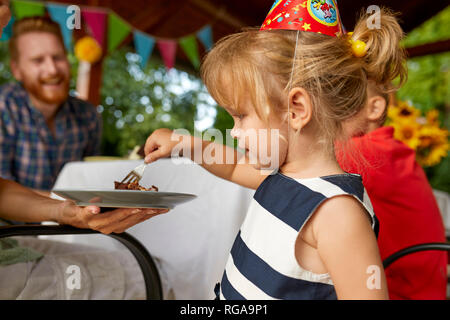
point(385, 59)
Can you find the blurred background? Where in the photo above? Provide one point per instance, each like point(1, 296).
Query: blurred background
point(146, 76)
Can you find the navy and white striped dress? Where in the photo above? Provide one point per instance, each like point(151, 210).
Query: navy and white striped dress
point(262, 262)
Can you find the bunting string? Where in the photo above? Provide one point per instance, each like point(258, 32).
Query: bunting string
point(110, 30)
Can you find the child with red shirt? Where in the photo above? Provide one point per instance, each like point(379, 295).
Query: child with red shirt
point(402, 199)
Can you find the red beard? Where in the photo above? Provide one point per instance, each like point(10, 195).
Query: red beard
point(44, 93)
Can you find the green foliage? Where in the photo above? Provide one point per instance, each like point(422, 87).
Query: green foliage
point(435, 29)
point(428, 85)
point(223, 122)
point(5, 72)
point(428, 76)
point(135, 102)
point(428, 82)
point(439, 176)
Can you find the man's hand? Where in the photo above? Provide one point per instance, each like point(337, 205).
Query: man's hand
point(116, 221)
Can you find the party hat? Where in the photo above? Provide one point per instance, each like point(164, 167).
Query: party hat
point(319, 16)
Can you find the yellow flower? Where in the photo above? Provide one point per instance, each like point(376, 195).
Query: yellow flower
point(433, 147)
point(421, 133)
point(433, 117)
point(407, 131)
point(433, 156)
point(402, 110)
point(87, 49)
point(429, 135)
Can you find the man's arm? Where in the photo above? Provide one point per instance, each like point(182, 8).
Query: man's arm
point(43, 193)
point(18, 203)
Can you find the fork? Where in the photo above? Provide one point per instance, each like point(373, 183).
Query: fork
point(135, 175)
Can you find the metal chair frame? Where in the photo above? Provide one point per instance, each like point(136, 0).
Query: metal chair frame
point(152, 280)
point(441, 246)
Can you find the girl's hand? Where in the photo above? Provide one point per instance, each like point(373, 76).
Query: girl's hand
point(160, 144)
point(116, 221)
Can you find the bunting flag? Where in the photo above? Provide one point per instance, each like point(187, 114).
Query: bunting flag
point(7, 31)
point(205, 37)
point(168, 49)
point(189, 45)
point(96, 20)
point(144, 45)
point(59, 14)
point(24, 9)
point(118, 30)
point(105, 25)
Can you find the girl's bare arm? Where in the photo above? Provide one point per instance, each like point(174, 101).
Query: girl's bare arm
point(222, 161)
point(348, 248)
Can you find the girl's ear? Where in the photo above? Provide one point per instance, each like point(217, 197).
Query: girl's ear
point(300, 108)
point(376, 106)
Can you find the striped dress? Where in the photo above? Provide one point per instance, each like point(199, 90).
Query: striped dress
point(262, 263)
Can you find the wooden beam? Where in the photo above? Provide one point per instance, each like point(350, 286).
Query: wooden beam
point(429, 48)
point(93, 3)
point(95, 83)
point(147, 19)
point(218, 13)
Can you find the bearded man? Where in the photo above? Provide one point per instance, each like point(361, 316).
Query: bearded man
point(41, 126)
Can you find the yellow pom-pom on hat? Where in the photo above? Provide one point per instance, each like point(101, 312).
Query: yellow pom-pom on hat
point(87, 49)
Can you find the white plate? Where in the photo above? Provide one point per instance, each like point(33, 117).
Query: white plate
point(125, 198)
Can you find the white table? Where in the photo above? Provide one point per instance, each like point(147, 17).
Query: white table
point(193, 240)
point(443, 201)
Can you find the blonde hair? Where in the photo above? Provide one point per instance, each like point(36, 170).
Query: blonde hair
point(32, 24)
point(258, 64)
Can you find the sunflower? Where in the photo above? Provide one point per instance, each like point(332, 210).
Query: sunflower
point(407, 131)
point(402, 110)
point(433, 117)
point(433, 145)
point(421, 133)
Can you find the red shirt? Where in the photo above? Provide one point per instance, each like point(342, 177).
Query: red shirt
point(407, 211)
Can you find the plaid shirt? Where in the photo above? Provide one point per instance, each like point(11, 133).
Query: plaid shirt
point(29, 153)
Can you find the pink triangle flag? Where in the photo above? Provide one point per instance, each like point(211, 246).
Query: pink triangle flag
point(96, 21)
point(168, 49)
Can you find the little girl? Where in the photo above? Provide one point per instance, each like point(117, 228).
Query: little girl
point(310, 231)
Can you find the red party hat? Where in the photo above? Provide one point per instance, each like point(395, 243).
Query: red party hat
point(320, 16)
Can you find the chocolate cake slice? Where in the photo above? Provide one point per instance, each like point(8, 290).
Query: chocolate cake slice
point(132, 186)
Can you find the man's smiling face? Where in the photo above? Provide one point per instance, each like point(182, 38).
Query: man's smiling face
point(42, 67)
